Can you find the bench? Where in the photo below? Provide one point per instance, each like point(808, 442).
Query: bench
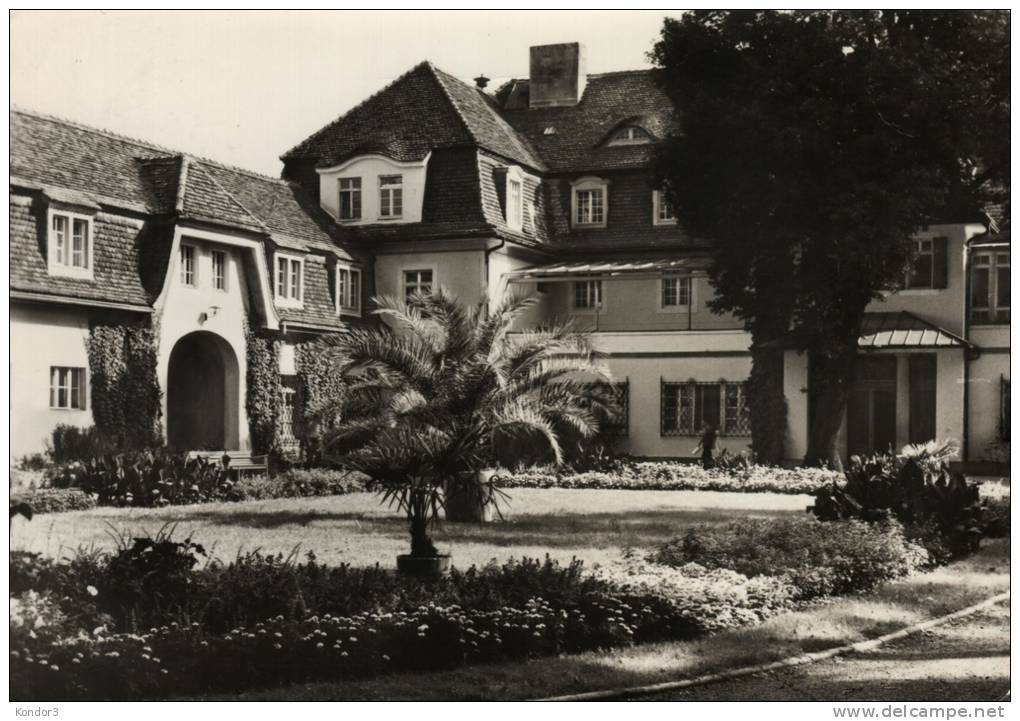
point(239, 461)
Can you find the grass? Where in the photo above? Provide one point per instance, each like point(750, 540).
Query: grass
point(821, 626)
point(588, 524)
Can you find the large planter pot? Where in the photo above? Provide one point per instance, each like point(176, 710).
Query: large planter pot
point(423, 566)
point(470, 500)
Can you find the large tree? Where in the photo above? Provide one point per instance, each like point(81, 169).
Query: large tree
point(808, 147)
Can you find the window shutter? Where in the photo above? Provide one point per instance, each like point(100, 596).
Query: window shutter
point(940, 262)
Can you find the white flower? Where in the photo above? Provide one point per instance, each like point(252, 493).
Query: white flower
point(93, 591)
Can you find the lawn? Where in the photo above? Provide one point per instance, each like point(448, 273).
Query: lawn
point(591, 525)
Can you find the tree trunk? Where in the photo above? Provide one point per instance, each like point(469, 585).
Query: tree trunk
point(830, 375)
point(417, 514)
point(766, 403)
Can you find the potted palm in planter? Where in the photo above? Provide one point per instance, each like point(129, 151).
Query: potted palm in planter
point(432, 394)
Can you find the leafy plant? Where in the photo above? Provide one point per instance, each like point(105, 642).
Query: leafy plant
point(55, 500)
point(147, 478)
point(914, 486)
point(433, 395)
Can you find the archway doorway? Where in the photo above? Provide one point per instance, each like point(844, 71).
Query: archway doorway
point(202, 394)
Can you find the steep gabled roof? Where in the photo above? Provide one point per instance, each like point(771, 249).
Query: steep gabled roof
point(422, 110)
point(572, 138)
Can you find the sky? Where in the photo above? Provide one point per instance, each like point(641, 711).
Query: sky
point(244, 87)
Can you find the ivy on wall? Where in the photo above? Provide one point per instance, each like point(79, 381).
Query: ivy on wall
point(125, 390)
point(319, 384)
point(263, 395)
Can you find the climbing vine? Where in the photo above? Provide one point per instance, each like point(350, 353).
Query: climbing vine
point(319, 384)
point(125, 390)
point(263, 382)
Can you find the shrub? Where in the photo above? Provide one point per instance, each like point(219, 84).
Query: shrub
point(71, 443)
point(995, 517)
point(149, 574)
point(55, 500)
point(917, 488)
point(817, 558)
point(739, 476)
point(146, 478)
point(34, 462)
point(297, 483)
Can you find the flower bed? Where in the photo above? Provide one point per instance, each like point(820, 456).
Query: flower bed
point(671, 476)
point(151, 621)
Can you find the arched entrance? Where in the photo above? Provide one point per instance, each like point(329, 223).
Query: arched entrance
point(202, 394)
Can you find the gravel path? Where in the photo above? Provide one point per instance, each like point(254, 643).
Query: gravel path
point(964, 660)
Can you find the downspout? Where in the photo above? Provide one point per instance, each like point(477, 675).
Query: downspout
point(488, 252)
point(966, 352)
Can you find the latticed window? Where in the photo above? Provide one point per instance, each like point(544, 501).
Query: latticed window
point(676, 291)
point(288, 425)
point(350, 198)
point(688, 407)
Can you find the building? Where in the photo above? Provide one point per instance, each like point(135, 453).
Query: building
point(542, 186)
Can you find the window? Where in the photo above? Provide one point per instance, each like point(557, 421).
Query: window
point(219, 270)
point(928, 267)
point(629, 135)
point(662, 210)
point(587, 294)
point(687, 407)
point(989, 287)
point(288, 396)
point(70, 245)
point(348, 290)
point(590, 207)
point(675, 292)
point(289, 279)
point(67, 388)
point(515, 202)
point(350, 198)
point(188, 266)
point(391, 196)
point(417, 281)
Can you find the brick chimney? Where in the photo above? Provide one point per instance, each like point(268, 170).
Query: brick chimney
point(558, 75)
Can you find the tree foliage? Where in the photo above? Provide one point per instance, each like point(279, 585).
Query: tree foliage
point(432, 394)
point(810, 146)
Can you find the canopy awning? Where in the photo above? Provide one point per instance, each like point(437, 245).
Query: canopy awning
point(905, 330)
point(655, 266)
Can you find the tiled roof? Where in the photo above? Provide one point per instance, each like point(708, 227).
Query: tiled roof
point(904, 330)
point(119, 171)
point(422, 110)
point(404, 121)
point(115, 259)
point(572, 138)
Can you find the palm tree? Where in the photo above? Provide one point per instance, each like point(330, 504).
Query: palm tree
point(432, 395)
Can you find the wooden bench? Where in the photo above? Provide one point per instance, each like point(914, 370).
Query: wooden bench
point(239, 461)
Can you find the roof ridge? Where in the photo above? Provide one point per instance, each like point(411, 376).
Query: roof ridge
point(170, 152)
point(350, 110)
point(636, 71)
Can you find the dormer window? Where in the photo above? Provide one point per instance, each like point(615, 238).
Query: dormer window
point(391, 196)
point(290, 272)
point(348, 290)
point(629, 135)
point(70, 244)
point(350, 199)
point(662, 209)
point(515, 198)
point(590, 203)
point(188, 261)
